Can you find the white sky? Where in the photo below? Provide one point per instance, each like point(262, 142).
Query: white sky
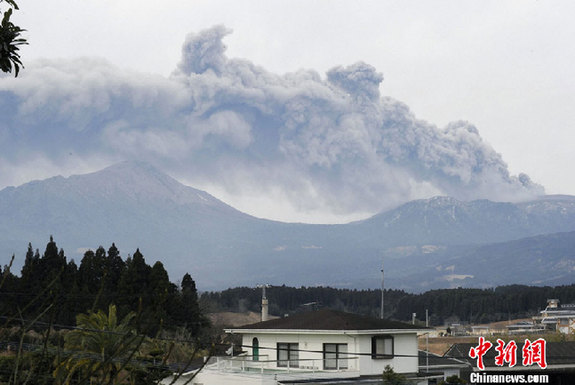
point(508, 67)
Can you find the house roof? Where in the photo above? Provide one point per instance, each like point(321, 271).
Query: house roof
point(433, 361)
point(327, 319)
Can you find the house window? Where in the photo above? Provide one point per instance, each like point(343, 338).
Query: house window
point(381, 347)
point(288, 353)
point(335, 356)
point(256, 349)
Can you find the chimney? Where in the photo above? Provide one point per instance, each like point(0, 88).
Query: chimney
point(264, 304)
point(264, 309)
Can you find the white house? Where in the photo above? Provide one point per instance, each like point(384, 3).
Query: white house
point(318, 346)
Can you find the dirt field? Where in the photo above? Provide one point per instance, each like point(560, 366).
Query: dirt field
point(440, 345)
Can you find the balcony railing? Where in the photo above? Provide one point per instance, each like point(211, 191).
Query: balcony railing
point(263, 365)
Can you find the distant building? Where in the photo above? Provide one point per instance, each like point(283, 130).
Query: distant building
point(525, 327)
point(480, 330)
point(458, 330)
point(559, 317)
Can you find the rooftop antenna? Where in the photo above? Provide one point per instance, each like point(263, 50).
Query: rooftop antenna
point(265, 314)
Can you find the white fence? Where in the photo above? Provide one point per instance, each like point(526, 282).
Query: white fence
point(264, 365)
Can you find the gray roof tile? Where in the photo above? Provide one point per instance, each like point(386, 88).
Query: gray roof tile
point(327, 319)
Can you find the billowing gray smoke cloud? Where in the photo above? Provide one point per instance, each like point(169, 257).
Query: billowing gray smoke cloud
point(331, 144)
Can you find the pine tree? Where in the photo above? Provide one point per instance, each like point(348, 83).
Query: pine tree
point(91, 272)
point(114, 267)
point(31, 274)
point(161, 290)
point(189, 314)
point(390, 377)
point(134, 286)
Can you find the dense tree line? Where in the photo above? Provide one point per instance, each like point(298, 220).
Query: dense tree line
point(285, 300)
point(54, 290)
point(483, 305)
point(443, 306)
point(58, 290)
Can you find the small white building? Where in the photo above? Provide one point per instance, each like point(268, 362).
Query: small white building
point(480, 330)
point(324, 345)
point(525, 327)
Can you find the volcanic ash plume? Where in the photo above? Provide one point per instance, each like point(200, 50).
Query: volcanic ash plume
point(323, 144)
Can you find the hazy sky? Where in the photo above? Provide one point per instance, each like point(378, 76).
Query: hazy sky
point(506, 67)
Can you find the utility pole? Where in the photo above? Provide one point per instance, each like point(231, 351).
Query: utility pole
point(427, 341)
point(382, 289)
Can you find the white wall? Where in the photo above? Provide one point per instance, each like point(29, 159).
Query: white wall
point(404, 361)
point(312, 346)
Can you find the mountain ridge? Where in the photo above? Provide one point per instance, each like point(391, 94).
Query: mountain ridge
point(137, 206)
